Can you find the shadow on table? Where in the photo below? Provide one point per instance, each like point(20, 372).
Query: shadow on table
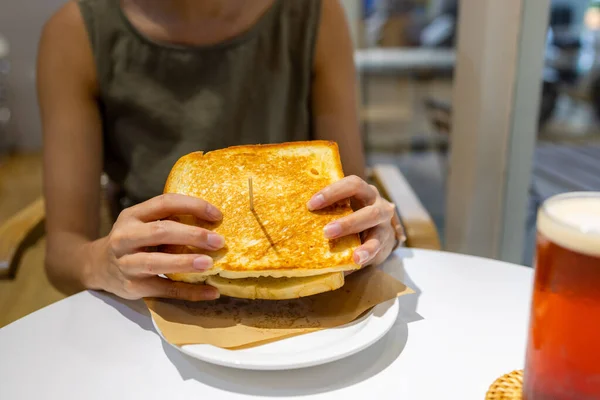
point(408, 304)
point(300, 382)
point(134, 310)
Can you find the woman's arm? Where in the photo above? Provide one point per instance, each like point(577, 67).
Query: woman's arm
point(72, 135)
point(334, 99)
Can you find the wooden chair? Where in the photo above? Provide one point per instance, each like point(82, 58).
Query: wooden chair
point(19, 233)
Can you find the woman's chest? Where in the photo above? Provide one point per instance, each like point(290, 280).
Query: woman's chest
point(215, 100)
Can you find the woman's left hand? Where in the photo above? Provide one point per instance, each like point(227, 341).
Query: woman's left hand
point(372, 218)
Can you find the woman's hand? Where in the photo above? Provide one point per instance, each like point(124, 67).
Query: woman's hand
point(122, 266)
point(373, 218)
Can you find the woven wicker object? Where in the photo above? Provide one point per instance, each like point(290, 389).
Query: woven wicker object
point(507, 387)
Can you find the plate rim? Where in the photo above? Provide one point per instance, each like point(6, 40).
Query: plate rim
point(390, 316)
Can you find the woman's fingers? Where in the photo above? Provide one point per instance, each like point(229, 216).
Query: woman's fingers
point(161, 263)
point(164, 288)
point(372, 246)
point(171, 204)
point(374, 217)
point(140, 235)
point(348, 187)
point(359, 221)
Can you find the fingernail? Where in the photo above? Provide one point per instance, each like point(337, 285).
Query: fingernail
point(202, 263)
point(332, 230)
point(213, 212)
point(211, 293)
point(363, 257)
point(316, 202)
point(215, 241)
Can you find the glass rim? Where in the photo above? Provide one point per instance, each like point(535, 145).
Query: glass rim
point(565, 196)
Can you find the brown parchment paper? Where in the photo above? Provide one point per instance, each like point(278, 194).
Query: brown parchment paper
point(237, 323)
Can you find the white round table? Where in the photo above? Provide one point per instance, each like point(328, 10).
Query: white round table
point(465, 326)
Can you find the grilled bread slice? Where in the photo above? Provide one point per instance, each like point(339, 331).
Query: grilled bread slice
point(281, 238)
point(268, 288)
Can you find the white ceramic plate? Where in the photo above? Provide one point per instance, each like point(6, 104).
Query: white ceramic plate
point(305, 350)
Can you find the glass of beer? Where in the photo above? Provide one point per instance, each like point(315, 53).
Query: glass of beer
point(563, 348)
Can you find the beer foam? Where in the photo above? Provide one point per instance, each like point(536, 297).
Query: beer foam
point(572, 221)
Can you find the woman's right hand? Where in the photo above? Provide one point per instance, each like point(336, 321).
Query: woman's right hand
point(121, 265)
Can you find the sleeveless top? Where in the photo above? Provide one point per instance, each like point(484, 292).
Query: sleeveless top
point(159, 101)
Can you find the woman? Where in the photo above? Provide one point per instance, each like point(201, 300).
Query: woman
point(130, 86)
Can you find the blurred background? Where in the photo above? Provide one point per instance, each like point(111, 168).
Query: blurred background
point(486, 107)
point(407, 56)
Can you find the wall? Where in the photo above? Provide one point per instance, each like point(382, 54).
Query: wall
point(21, 22)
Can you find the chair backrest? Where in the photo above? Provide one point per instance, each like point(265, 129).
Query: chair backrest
point(19, 233)
point(419, 227)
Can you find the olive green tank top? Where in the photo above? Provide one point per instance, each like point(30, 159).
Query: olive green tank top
point(159, 101)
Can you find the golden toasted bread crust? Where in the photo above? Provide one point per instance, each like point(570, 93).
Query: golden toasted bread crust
point(281, 238)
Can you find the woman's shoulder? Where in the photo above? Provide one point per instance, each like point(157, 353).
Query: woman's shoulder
point(65, 30)
point(66, 19)
point(64, 42)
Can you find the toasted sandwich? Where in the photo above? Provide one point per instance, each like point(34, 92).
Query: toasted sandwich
point(275, 247)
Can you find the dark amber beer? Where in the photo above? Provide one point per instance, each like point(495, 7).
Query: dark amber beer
point(563, 349)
